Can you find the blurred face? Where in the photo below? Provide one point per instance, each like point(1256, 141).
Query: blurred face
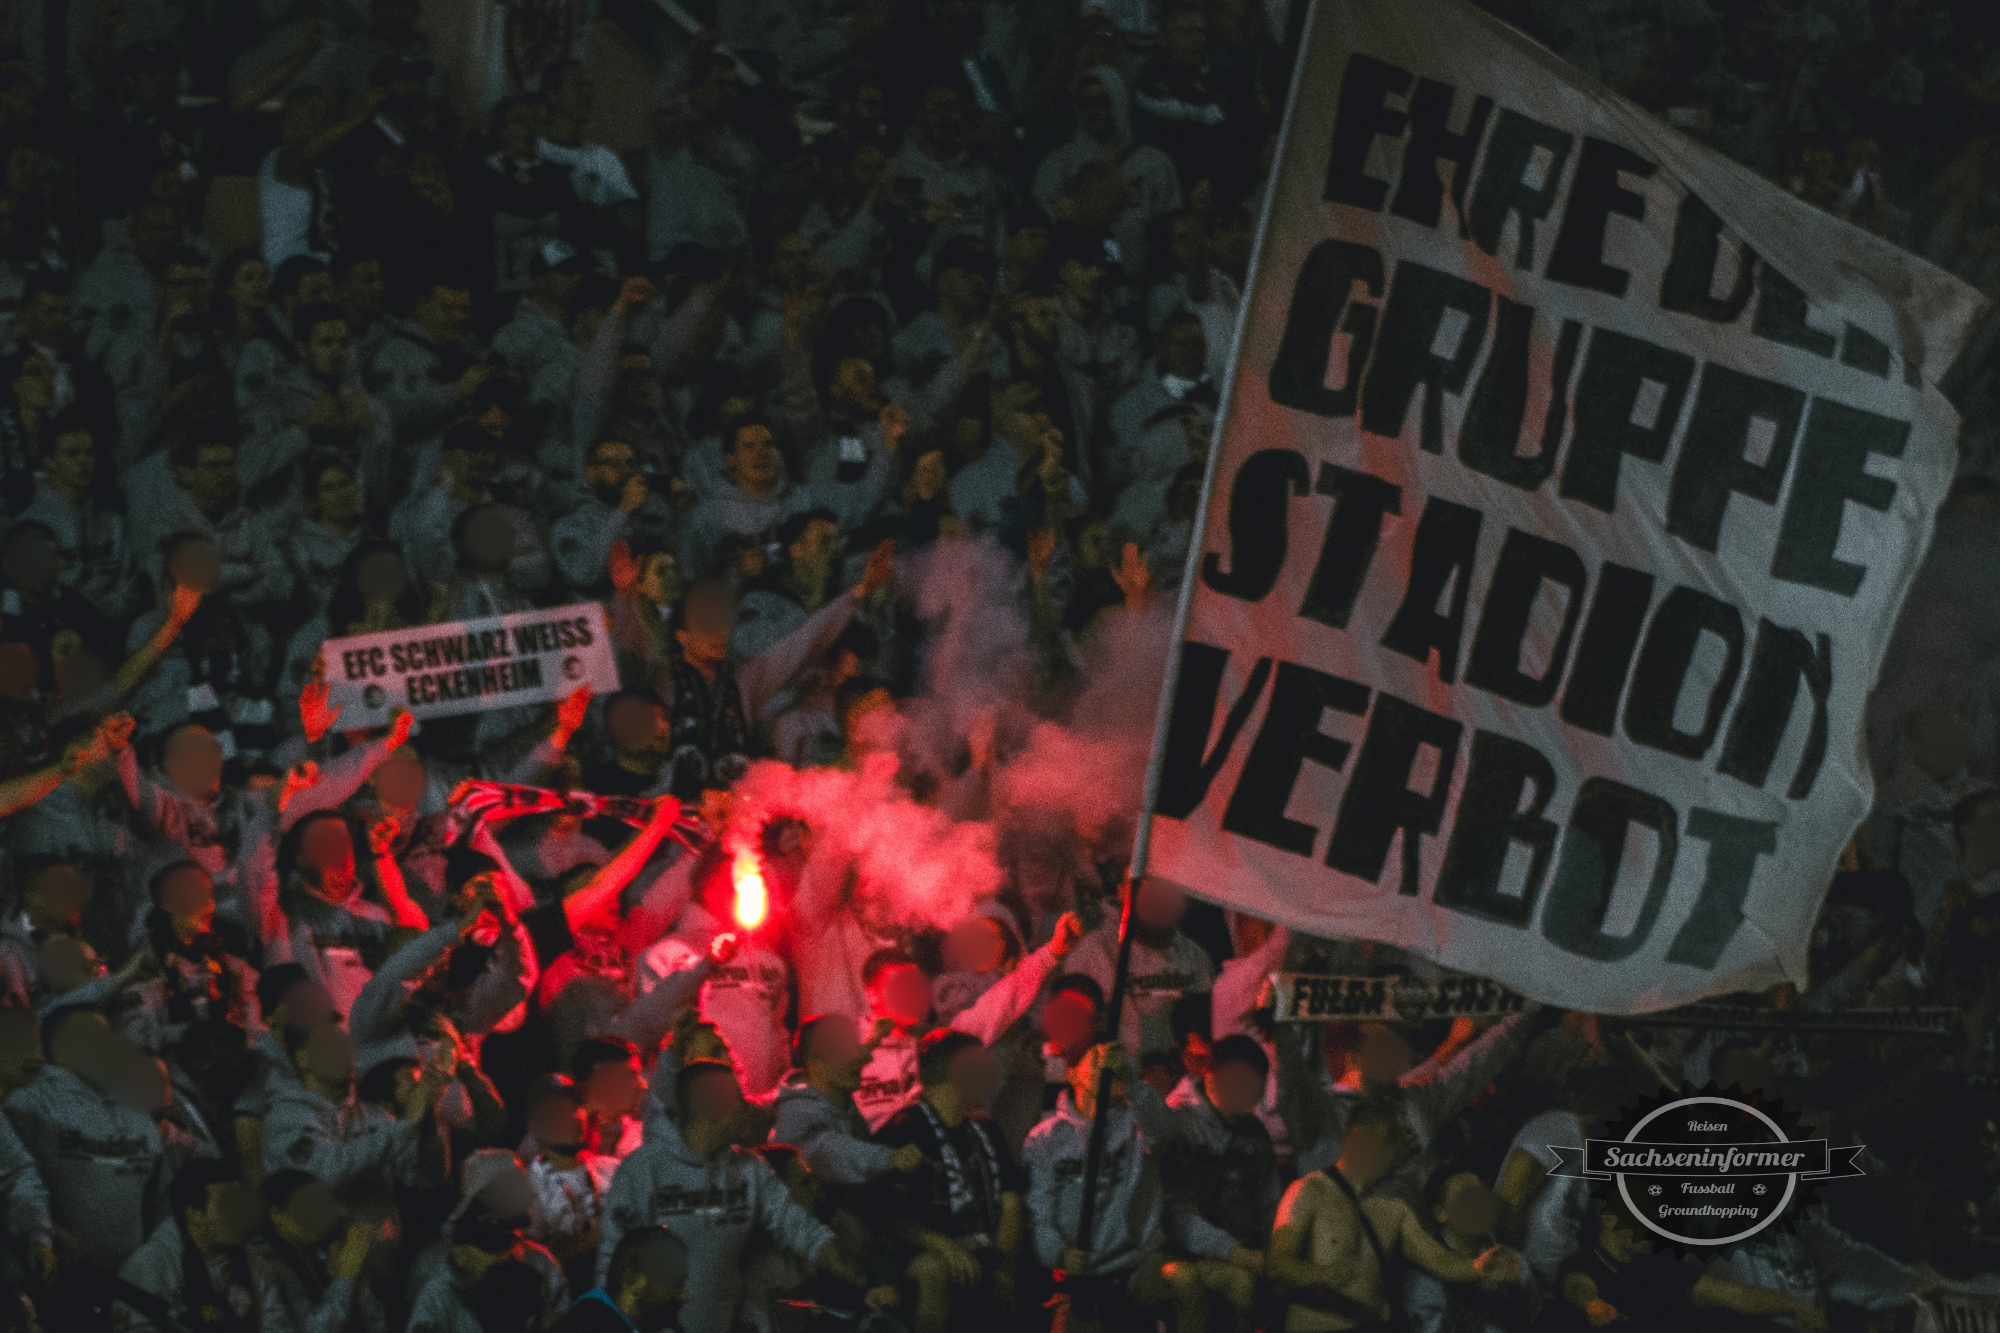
point(399, 782)
point(250, 289)
point(615, 1087)
point(975, 1077)
point(836, 1048)
point(1034, 320)
point(328, 1054)
point(818, 546)
point(928, 478)
point(1982, 837)
point(65, 962)
point(1081, 280)
point(636, 725)
point(1235, 1088)
point(314, 288)
point(753, 460)
point(715, 1099)
point(663, 1286)
point(1367, 1155)
point(489, 539)
point(661, 583)
point(901, 993)
point(445, 311)
point(32, 561)
point(73, 465)
point(183, 286)
point(854, 388)
point(196, 565)
point(327, 850)
point(963, 289)
point(610, 468)
point(1183, 349)
point(978, 944)
point(337, 498)
point(193, 763)
point(19, 670)
point(1069, 1020)
point(188, 897)
point(792, 261)
point(55, 900)
point(380, 578)
point(711, 617)
point(1469, 1208)
point(1384, 1056)
point(211, 482)
point(1094, 115)
point(45, 319)
point(35, 385)
point(940, 119)
point(307, 1005)
point(361, 293)
point(1161, 905)
point(327, 348)
point(20, 1049)
point(558, 1123)
point(314, 1213)
point(1184, 39)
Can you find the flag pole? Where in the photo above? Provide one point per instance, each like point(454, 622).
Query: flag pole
point(1142, 842)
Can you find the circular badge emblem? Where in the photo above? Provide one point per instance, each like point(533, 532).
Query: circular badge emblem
point(572, 668)
point(1705, 1168)
point(374, 696)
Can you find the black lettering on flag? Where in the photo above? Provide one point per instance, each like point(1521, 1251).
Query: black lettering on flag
point(1499, 402)
point(1526, 562)
point(1363, 113)
point(1685, 614)
point(1419, 187)
point(1593, 847)
point(1781, 314)
point(1379, 803)
point(1688, 285)
point(1577, 257)
point(1187, 766)
point(1290, 735)
point(1405, 355)
point(1259, 531)
point(1733, 848)
point(1504, 187)
point(1779, 661)
point(1833, 469)
point(1604, 655)
point(1712, 464)
point(1607, 398)
point(1322, 291)
point(1864, 351)
point(1446, 544)
point(1353, 531)
point(1490, 819)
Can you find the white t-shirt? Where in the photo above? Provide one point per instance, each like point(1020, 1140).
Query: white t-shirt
point(745, 999)
point(1557, 1213)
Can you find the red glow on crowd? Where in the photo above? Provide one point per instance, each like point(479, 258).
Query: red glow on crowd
point(752, 901)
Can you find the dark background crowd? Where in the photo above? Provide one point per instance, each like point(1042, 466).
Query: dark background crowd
point(867, 385)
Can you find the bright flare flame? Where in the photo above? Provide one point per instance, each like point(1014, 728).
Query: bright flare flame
point(751, 900)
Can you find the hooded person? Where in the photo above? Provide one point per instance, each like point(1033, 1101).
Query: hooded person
point(645, 1286)
point(719, 1197)
point(306, 1264)
point(1104, 135)
point(358, 1148)
point(193, 1270)
point(816, 1110)
point(486, 1229)
point(98, 1156)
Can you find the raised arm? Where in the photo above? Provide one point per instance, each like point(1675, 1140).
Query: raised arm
point(340, 778)
point(598, 896)
point(764, 675)
point(1008, 1000)
point(389, 873)
point(647, 1020)
point(147, 656)
point(1448, 1087)
point(378, 1009)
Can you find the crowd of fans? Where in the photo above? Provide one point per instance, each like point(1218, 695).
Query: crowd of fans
point(306, 1029)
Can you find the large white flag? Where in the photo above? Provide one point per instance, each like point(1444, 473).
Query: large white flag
point(1568, 486)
